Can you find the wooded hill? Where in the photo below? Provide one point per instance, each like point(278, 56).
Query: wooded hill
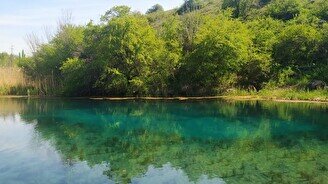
point(202, 48)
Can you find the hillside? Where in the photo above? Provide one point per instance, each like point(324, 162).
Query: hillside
point(202, 48)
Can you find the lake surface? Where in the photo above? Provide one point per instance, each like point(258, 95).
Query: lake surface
point(85, 141)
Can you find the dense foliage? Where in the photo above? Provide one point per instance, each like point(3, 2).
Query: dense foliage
point(155, 8)
point(205, 47)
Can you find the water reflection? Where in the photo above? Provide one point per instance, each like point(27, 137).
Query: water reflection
point(26, 158)
point(168, 174)
point(141, 142)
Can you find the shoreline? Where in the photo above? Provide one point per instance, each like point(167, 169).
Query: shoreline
point(223, 97)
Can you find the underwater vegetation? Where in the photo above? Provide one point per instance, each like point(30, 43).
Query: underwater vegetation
point(239, 142)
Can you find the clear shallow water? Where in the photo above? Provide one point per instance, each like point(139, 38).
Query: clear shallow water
point(84, 141)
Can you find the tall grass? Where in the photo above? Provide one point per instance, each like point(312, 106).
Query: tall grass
point(11, 76)
point(14, 82)
point(294, 94)
point(283, 94)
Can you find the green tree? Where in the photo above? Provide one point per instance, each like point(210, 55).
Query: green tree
point(191, 23)
point(155, 8)
point(257, 71)
point(76, 79)
point(116, 11)
point(321, 57)
point(221, 48)
point(129, 50)
point(242, 8)
point(296, 48)
point(197, 49)
point(320, 9)
point(44, 66)
point(284, 9)
point(171, 34)
point(189, 6)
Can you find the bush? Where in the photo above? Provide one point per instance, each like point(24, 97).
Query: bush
point(284, 9)
point(255, 73)
point(155, 8)
point(221, 49)
point(113, 82)
point(19, 90)
point(189, 6)
point(320, 9)
point(77, 78)
point(296, 49)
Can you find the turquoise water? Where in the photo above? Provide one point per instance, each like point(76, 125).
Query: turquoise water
point(85, 141)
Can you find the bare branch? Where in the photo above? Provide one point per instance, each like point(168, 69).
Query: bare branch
point(33, 41)
point(65, 19)
point(48, 33)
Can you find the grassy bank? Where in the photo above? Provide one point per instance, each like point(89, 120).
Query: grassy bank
point(282, 94)
point(14, 83)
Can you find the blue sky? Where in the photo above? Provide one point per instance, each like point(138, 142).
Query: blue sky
point(21, 17)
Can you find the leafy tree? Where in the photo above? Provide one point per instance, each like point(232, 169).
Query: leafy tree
point(66, 43)
point(116, 11)
point(189, 6)
point(113, 82)
point(241, 8)
point(190, 25)
point(230, 4)
point(45, 64)
point(296, 48)
point(320, 9)
point(244, 8)
point(76, 79)
point(250, 44)
point(265, 34)
point(155, 8)
point(284, 9)
point(221, 47)
point(171, 34)
point(130, 50)
point(257, 71)
point(321, 56)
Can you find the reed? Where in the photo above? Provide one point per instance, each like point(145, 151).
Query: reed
point(14, 82)
point(12, 76)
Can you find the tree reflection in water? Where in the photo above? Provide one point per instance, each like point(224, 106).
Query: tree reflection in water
point(201, 141)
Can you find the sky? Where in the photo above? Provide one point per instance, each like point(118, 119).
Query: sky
point(18, 18)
